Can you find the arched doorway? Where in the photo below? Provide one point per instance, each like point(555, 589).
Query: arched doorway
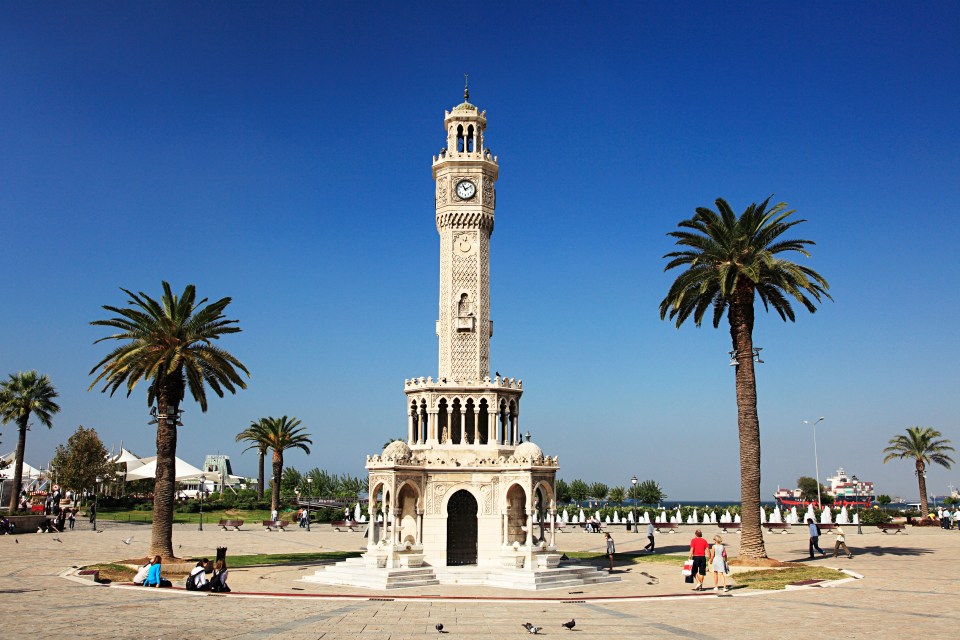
point(461, 529)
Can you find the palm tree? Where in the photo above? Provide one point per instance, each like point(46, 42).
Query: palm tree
point(282, 434)
point(921, 444)
point(730, 261)
point(170, 344)
point(21, 395)
point(255, 435)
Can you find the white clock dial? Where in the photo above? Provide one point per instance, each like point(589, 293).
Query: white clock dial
point(466, 189)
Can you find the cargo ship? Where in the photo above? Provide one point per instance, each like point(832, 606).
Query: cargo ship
point(847, 491)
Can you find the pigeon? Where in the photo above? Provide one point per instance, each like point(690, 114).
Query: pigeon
point(439, 628)
point(127, 540)
point(532, 629)
point(58, 540)
point(16, 541)
point(569, 625)
point(497, 373)
point(526, 625)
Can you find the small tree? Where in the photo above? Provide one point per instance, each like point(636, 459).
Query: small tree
point(883, 499)
point(579, 490)
point(649, 492)
point(77, 465)
point(599, 491)
point(563, 491)
point(617, 495)
point(808, 490)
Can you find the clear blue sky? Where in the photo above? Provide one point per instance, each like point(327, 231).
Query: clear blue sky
point(279, 153)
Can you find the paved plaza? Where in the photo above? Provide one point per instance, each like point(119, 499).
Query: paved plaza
point(910, 585)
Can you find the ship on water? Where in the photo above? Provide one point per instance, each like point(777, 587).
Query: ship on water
point(847, 491)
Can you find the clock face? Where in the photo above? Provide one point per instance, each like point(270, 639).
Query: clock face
point(466, 189)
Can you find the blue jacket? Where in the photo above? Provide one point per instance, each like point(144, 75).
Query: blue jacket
point(153, 576)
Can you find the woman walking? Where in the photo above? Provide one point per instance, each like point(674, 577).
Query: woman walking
point(611, 549)
point(718, 563)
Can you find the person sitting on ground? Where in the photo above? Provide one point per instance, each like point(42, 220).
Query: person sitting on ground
point(197, 580)
point(153, 575)
point(218, 583)
point(141, 575)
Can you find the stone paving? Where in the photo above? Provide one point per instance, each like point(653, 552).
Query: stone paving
point(910, 586)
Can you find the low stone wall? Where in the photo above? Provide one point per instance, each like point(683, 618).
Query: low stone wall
point(28, 524)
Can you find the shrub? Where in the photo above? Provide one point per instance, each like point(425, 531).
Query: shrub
point(874, 516)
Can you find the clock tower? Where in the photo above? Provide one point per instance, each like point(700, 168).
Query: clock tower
point(463, 498)
point(465, 173)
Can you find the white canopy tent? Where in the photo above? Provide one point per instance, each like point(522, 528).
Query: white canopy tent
point(29, 473)
point(182, 471)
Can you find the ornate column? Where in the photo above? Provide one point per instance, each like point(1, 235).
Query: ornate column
point(491, 426)
point(432, 426)
point(419, 526)
point(449, 439)
point(410, 438)
point(505, 533)
point(529, 541)
point(553, 527)
point(463, 425)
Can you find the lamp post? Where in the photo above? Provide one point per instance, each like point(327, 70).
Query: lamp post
point(309, 498)
point(856, 499)
point(96, 486)
point(816, 460)
point(633, 483)
point(203, 485)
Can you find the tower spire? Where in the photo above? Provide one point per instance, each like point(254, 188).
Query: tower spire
point(466, 87)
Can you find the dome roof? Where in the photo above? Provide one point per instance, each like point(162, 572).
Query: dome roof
point(528, 450)
point(397, 449)
point(465, 106)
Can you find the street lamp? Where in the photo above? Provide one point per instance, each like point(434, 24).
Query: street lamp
point(309, 498)
point(203, 485)
point(93, 520)
point(856, 499)
point(636, 524)
point(816, 460)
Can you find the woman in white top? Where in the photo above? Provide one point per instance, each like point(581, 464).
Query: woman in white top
point(199, 576)
point(141, 574)
point(718, 563)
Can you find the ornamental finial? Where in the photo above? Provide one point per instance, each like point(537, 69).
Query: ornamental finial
point(466, 87)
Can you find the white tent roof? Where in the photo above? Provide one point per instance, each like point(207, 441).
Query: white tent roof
point(183, 471)
point(126, 457)
point(28, 471)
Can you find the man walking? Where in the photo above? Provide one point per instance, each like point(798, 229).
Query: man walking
point(698, 553)
point(650, 545)
point(814, 538)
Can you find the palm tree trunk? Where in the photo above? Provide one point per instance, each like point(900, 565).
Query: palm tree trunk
point(262, 454)
point(748, 422)
point(924, 506)
point(18, 462)
point(161, 543)
point(277, 473)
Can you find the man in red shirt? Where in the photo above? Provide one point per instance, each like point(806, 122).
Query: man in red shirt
point(698, 553)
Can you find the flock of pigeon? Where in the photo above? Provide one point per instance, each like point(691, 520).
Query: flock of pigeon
point(526, 625)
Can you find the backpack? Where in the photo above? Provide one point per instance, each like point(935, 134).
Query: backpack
point(191, 582)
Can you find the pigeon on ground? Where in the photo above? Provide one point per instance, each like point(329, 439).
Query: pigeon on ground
point(58, 540)
point(526, 625)
point(439, 628)
point(570, 625)
point(17, 541)
point(534, 630)
point(127, 540)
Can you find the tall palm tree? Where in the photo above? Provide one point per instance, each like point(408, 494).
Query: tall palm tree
point(282, 434)
point(731, 261)
point(921, 444)
point(21, 395)
point(255, 435)
point(169, 344)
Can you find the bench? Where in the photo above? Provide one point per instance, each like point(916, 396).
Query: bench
point(828, 527)
point(340, 525)
point(727, 527)
point(782, 527)
point(895, 528)
point(669, 527)
point(597, 528)
point(279, 525)
point(226, 524)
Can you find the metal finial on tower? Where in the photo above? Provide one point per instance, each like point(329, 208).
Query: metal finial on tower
point(466, 87)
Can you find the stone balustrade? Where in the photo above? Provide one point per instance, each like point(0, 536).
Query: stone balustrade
point(487, 382)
